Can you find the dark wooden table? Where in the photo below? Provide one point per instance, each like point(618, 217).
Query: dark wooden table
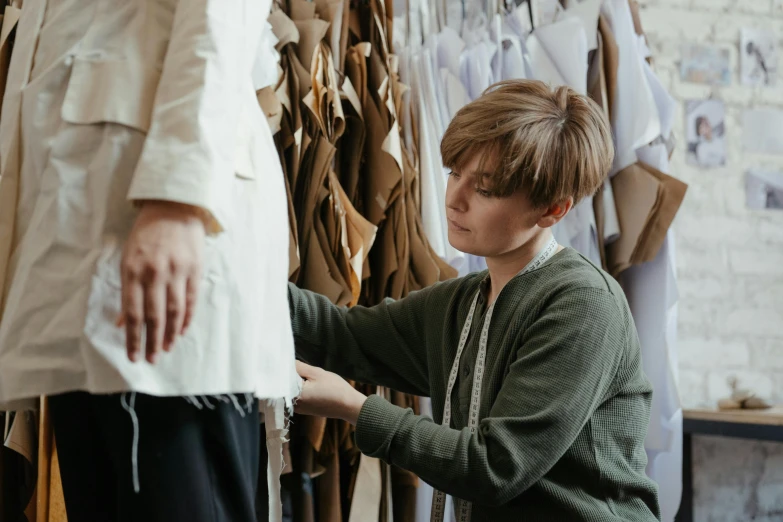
point(743, 424)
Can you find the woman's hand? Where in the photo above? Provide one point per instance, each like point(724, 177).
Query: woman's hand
point(326, 394)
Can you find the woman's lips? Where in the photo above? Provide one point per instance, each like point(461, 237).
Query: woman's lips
point(455, 226)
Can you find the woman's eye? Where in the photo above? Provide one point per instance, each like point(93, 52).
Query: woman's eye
point(453, 174)
point(484, 193)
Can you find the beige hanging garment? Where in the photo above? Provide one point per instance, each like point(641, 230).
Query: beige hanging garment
point(10, 17)
point(272, 107)
point(289, 139)
point(329, 224)
point(357, 239)
point(399, 217)
point(274, 111)
point(366, 495)
point(349, 153)
point(323, 100)
point(611, 58)
point(382, 171)
point(328, 486)
point(45, 448)
point(647, 201)
point(319, 273)
point(672, 194)
point(637, 193)
point(344, 295)
point(336, 13)
point(383, 178)
point(311, 32)
point(596, 89)
point(56, 499)
point(10, 128)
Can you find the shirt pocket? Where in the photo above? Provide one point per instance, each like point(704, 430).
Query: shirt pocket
point(123, 92)
point(111, 91)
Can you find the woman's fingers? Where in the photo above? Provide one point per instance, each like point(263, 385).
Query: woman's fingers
point(154, 318)
point(191, 291)
point(306, 371)
point(132, 315)
point(161, 264)
point(175, 310)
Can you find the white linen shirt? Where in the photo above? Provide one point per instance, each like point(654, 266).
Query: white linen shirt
point(120, 100)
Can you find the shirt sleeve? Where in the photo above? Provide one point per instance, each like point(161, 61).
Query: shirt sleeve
point(188, 155)
point(563, 371)
point(383, 345)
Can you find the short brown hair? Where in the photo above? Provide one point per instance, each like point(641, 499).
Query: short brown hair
point(551, 143)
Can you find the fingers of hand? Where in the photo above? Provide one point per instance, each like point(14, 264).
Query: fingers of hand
point(158, 298)
point(160, 268)
point(306, 371)
point(132, 314)
point(191, 291)
point(175, 310)
point(307, 403)
point(154, 317)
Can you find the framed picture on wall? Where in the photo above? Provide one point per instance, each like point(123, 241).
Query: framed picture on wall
point(764, 189)
point(705, 131)
point(758, 57)
point(705, 64)
point(762, 130)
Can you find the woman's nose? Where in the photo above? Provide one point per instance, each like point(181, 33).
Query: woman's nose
point(456, 193)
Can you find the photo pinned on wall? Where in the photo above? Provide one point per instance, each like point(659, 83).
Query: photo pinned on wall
point(762, 130)
point(764, 189)
point(705, 133)
point(758, 57)
point(705, 64)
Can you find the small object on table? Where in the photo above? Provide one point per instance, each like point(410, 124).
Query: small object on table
point(729, 404)
point(755, 403)
point(742, 399)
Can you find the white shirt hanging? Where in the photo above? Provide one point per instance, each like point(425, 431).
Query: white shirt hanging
point(510, 62)
point(558, 54)
point(635, 120)
point(652, 294)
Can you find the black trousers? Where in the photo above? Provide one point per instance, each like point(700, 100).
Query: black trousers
point(195, 465)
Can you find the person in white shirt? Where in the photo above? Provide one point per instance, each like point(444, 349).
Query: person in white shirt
point(143, 266)
point(710, 149)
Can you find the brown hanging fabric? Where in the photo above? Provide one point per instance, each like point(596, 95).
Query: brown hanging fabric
point(356, 226)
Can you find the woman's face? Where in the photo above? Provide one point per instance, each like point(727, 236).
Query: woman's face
point(483, 225)
point(705, 129)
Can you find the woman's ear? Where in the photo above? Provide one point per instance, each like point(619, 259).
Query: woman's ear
point(555, 212)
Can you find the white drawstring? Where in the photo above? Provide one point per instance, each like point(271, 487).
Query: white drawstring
point(131, 409)
point(129, 405)
point(236, 405)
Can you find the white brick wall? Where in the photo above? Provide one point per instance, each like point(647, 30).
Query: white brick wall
point(730, 261)
point(730, 258)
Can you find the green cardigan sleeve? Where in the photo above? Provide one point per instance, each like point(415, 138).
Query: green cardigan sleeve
point(383, 345)
point(564, 369)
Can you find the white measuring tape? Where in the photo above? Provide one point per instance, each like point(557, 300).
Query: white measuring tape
point(439, 498)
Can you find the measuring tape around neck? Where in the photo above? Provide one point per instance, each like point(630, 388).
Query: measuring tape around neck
point(464, 508)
